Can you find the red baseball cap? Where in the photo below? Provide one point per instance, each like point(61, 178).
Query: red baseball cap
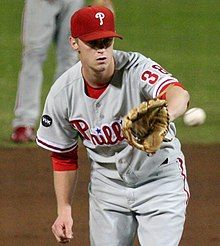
point(93, 22)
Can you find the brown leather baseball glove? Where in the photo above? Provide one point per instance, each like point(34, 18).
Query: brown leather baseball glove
point(145, 126)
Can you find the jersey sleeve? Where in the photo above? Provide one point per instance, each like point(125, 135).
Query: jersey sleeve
point(55, 132)
point(154, 79)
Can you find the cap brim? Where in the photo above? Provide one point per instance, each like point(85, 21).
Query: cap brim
point(98, 35)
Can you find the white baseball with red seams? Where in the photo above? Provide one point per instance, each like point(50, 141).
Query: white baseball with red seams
point(194, 117)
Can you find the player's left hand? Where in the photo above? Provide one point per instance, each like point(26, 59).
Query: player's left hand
point(145, 126)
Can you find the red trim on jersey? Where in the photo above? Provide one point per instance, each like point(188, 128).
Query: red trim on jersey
point(164, 83)
point(164, 88)
point(65, 161)
point(94, 92)
point(55, 148)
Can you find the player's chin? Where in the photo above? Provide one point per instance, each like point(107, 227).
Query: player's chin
point(101, 68)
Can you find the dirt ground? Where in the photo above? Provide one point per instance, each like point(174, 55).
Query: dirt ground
point(28, 208)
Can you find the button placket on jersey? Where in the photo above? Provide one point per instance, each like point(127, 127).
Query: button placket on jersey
point(100, 116)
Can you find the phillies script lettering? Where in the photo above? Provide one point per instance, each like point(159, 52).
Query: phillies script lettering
point(109, 134)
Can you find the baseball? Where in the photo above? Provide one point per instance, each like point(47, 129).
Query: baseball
point(194, 117)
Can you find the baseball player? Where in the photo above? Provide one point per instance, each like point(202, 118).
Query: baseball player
point(43, 22)
point(130, 191)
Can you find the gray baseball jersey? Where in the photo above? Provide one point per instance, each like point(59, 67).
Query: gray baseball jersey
point(128, 177)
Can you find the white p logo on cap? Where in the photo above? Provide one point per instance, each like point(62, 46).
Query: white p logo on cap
point(100, 16)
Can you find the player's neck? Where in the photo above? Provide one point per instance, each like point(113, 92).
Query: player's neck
point(98, 79)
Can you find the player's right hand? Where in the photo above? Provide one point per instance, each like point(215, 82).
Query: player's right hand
point(62, 229)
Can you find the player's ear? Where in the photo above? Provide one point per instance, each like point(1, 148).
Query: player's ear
point(73, 43)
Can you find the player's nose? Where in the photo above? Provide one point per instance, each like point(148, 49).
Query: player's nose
point(101, 50)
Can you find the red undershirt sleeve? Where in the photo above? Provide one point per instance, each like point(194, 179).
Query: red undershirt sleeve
point(65, 161)
point(164, 88)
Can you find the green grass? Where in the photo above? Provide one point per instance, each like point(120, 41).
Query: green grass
point(182, 35)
